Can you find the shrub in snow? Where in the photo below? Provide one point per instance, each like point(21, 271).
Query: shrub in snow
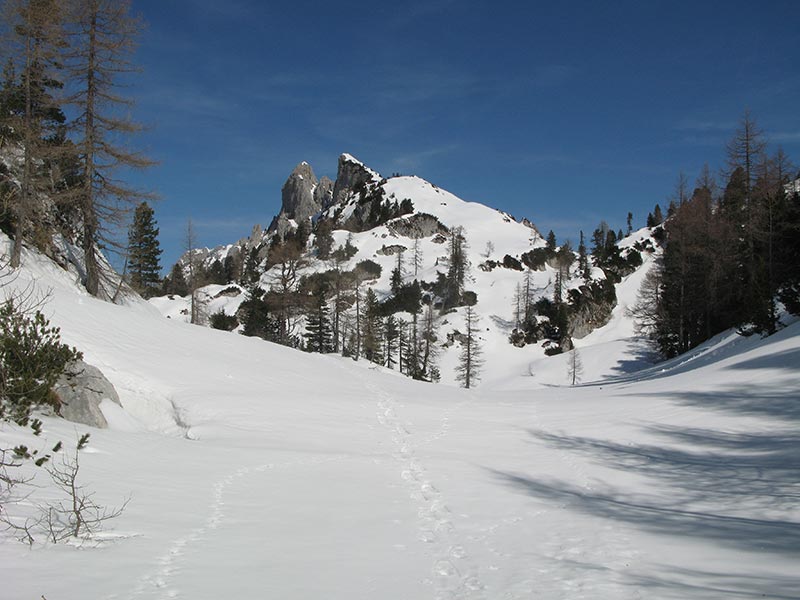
point(32, 358)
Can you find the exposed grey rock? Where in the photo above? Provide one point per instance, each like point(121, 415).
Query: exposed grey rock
point(530, 225)
point(351, 176)
point(419, 225)
point(280, 225)
point(298, 200)
point(391, 250)
point(82, 391)
point(594, 312)
point(323, 193)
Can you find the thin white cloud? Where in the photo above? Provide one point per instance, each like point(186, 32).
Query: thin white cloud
point(706, 125)
point(785, 136)
point(415, 160)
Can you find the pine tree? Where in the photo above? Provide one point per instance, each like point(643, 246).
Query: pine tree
point(255, 315)
point(251, 272)
point(428, 369)
point(551, 241)
point(319, 336)
point(658, 217)
point(417, 258)
point(323, 240)
point(630, 223)
point(31, 113)
point(745, 212)
point(527, 297)
point(143, 252)
point(583, 261)
point(468, 369)
point(517, 306)
point(286, 260)
point(193, 279)
point(391, 334)
point(372, 329)
point(175, 282)
point(102, 36)
point(457, 267)
point(574, 366)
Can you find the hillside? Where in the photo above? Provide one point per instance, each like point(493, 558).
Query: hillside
point(256, 470)
point(503, 255)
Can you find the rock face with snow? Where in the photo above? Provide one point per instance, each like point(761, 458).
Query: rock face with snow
point(352, 175)
point(82, 392)
point(299, 198)
point(416, 226)
point(323, 194)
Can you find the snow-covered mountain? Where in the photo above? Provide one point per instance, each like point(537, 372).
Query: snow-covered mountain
point(405, 214)
point(259, 471)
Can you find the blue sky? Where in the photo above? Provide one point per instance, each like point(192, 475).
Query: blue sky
point(563, 114)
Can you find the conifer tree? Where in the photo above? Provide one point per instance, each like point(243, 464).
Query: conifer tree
point(574, 366)
point(418, 257)
point(286, 259)
point(319, 336)
point(658, 216)
point(323, 239)
point(255, 315)
point(428, 369)
point(745, 212)
point(551, 241)
point(457, 267)
point(175, 282)
point(194, 280)
point(583, 261)
point(102, 37)
point(31, 115)
point(517, 306)
point(391, 333)
point(144, 251)
point(372, 329)
point(468, 370)
point(250, 272)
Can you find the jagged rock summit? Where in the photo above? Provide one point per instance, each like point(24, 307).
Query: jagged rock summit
point(302, 197)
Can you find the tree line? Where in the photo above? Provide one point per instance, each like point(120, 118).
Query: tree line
point(730, 251)
point(338, 309)
point(60, 174)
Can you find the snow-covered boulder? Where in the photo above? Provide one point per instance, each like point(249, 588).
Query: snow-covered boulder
point(81, 391)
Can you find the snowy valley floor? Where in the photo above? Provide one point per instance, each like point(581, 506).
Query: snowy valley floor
point(259, 472)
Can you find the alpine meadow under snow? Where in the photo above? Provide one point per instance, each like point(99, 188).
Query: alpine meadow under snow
point(255, 470)
point(388, 392)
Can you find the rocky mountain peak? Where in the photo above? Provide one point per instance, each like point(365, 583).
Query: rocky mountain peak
point(351, 174)
point(299, 197)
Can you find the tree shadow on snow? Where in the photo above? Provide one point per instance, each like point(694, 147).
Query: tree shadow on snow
point(779, 400)
point(757, 535)
point(696, 583)
point(717, 468)
point(787, 360)
point(736, 490)
point(639, 357)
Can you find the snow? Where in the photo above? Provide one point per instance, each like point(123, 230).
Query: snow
point(256, 471)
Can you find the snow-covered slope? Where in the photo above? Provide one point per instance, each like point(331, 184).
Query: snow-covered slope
point(256, 471)
point(490, 235)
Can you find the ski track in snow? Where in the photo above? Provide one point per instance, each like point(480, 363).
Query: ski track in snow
point(453, 575)
point(157, 583)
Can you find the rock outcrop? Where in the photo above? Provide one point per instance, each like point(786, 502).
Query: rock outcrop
point(352, 176)
point(82, 391)
point(418, 225)
point(323, 193)
point(301, 198)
